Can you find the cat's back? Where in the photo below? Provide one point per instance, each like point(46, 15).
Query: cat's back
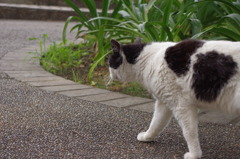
point(182, 56)
point(205, 67)
point(155, 51)
point(221, 47)
point(157, 47)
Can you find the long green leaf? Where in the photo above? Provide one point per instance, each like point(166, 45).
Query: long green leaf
point(131, 31)
point(117, 8)
point(77, 26)
point(100, 43)
point(196, 25)
point(152, 31)
point(90, 73)
point(220, 31)
point(106, 18)
point(91, 5)
point(76, 9)
point(150, 4)
point(226, 2)
point(233, 21)
point(167, 12)
point(105, 7)
point(128, 6)
point(206, 30)
point(227, 33)
point(64, 39)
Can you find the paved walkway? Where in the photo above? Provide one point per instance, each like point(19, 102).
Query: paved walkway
point(45, 116)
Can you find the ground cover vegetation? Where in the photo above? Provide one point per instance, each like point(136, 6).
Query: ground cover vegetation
point(151, 20)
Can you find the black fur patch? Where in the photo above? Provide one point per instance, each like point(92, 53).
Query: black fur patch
point(132, 51)
point(178, 56)
point(212, 72)
point(115, 60)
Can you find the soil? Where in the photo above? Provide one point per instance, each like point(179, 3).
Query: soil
point(101, 78)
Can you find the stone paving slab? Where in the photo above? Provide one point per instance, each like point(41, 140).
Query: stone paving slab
point(21, 59)
point(51, 83)
point(19, 55)
point(15, 60)
point(85, 92)
point(35, 79)
point(127, 102)
point(65, 87)
point(104, 97)
point(20, 64)
point(12, 58)
point(26, 68)
point(20, 74)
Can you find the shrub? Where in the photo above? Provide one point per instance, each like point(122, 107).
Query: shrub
point(153, 20)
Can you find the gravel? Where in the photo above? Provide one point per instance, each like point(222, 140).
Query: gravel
point(15, 34)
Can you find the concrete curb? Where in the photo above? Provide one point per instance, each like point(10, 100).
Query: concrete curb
point(21, 66)
point(38, 12)
point(35, 12)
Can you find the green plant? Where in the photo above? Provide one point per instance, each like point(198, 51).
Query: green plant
point(42, 47)
point(152, 20)
point(72, 61)
point(42, 42)
point(93, 31)
point(172, 20)
point(59, 58)
point(224, 22)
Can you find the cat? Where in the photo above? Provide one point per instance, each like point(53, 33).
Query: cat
point(183, 78)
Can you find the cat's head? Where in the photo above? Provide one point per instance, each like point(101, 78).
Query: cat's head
point(123, 59)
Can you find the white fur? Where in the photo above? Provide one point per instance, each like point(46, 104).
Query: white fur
point(174, 95)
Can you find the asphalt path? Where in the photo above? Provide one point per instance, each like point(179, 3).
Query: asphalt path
point(40, 124)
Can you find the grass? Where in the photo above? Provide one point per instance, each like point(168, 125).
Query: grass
point(73, 62)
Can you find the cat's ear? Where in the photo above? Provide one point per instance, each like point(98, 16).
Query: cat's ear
point(116, 46)
point(138, 40)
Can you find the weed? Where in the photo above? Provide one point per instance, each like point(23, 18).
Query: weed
point(74, 62)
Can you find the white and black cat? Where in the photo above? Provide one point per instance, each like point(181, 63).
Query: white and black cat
point(183, 77)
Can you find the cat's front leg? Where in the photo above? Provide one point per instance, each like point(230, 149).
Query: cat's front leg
point(186, 115)
point(160, 119)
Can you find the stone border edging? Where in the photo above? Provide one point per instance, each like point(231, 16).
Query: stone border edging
point(20, 65)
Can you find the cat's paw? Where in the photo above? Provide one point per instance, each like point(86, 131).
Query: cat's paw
point(144, 137)
point(189, 155)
